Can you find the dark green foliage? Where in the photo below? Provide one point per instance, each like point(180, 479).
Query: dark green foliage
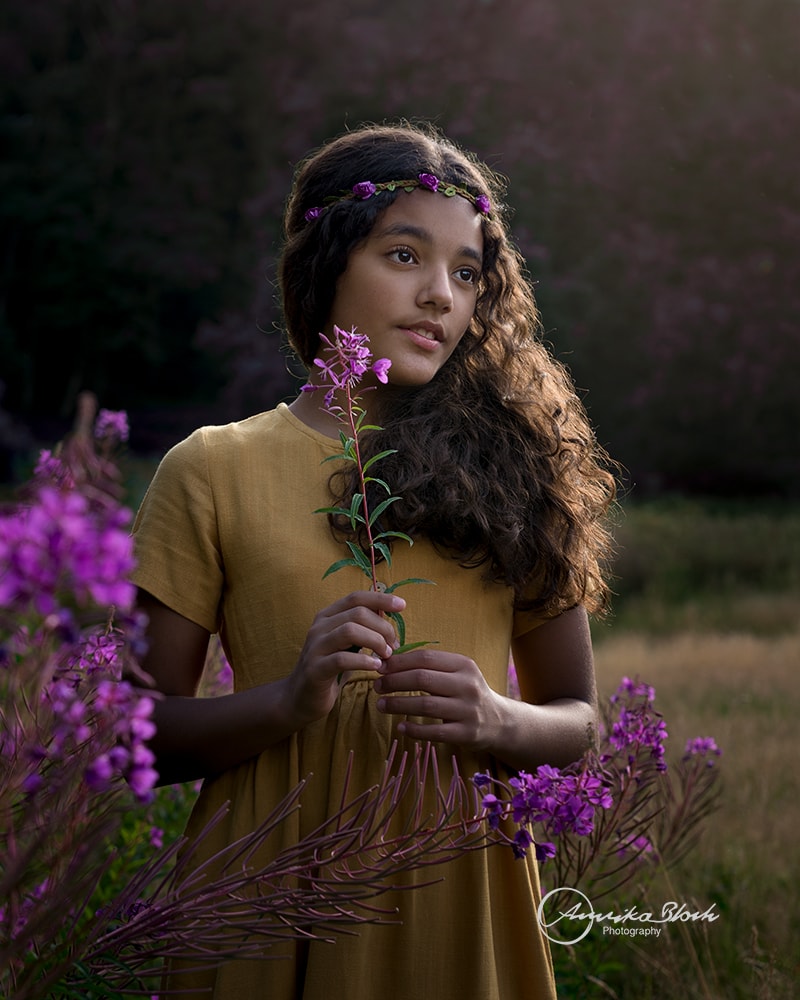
point(651, 150)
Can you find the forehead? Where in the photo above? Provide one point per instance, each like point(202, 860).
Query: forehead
point(450, 224)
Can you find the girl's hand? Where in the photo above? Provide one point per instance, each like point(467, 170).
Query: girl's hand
point(456, 693)
point(348, 635)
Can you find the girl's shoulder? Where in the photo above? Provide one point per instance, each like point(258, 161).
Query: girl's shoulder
point(261, 433)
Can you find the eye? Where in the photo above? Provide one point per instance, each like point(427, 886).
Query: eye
point(468, 275)
point(402, 255)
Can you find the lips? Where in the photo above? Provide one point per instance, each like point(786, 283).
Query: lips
point(426, 329)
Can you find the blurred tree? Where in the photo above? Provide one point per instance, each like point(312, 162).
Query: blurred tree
point(651, 151)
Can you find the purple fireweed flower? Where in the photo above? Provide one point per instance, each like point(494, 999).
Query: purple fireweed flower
point(312, 213)
point(637, 846)
point(544, 850)
point(112, 425)
point(702, 746)
point(629, 689)
point(483, 204)
point(156, 837)
point(99, 773)
point(494, 807)
point(49, 467)
point(347, 359)
point(57, 547)
point(429, 181)
point(521, 842)
point(481, 780)
point(639, 728)
point(561, 802)
point(32, 782)
point(381, 368)
point(364, 189)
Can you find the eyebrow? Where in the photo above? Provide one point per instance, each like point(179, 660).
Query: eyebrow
point(406, 229)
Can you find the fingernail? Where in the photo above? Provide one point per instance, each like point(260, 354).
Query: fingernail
point(398, 603)
point(381, 704)
point(388, 652)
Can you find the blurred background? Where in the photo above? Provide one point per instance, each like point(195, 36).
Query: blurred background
point(652, 148)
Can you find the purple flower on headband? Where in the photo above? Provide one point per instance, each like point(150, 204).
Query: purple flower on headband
point(483, 204)
point(429, 181)
point(364, 189)
point(313, 213)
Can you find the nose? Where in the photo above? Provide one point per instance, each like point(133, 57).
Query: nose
point(435, 289)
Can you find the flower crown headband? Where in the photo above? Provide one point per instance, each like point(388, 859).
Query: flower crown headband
point(429, 182)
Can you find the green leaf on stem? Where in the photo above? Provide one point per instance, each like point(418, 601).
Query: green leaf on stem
point(376, 458)
point(361, 558)
point(411, 579)
point(355, 504)
point(380, 482)
point(400, 625)
point(397, 534)
point(375, 514)
point(333, 510)
point(415, 645)
point(384, 550)
point(335, 567)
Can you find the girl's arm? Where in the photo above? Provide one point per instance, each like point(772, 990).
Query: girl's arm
point(554, 723)
point(196, 737)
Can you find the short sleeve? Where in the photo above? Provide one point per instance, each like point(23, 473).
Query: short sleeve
point(176, 540)
point(526, 621)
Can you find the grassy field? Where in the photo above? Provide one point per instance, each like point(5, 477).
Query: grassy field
point(707, 610)
point(718, 634)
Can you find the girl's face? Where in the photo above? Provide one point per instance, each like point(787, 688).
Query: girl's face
point(411, 287)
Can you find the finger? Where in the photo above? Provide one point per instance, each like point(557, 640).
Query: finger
point(432, 660)
point(434, 682)
point(353, 636)
point(350, 660)
point(374, 600)
point(424, 705)
point(360, 618)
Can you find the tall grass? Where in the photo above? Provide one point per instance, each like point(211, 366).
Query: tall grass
point(691, 565)
point(709, 613)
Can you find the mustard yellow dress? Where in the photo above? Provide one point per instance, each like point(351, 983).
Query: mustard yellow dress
point(226, 537)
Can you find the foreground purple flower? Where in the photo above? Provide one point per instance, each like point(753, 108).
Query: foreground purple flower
point(605, 818)
point(57, 548)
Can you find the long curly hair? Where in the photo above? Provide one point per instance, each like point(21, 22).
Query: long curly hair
point(495, 459)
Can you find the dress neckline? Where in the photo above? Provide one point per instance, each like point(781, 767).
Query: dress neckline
point(329, 443)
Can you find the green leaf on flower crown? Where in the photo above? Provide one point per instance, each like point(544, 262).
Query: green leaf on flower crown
point(369, 427)
point(396, 534)
point(378, 457)
point(338, 458)
point(335, 567)
point(375, 514)
point(361, 558)
point(380, 482)
point(402, 583)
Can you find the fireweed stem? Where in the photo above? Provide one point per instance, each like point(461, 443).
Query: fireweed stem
point(351, 419)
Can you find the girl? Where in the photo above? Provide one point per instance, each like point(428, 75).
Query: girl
point(395, 231)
